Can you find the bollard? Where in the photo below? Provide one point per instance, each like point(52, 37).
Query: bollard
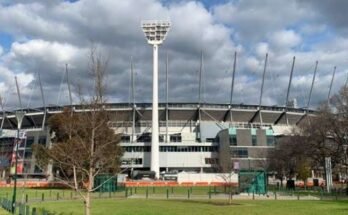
point(43, 197)
point(147, 192)
point(167, 193)
point(188, 193)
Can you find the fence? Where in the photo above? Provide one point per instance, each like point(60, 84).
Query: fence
point(22, 209)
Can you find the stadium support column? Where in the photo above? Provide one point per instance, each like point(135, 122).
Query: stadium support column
point(200, 96)
point(133, 102)
point(262, 84)
point(288, 92)
point(311, 90)
point(329, 94)
point(232, 83)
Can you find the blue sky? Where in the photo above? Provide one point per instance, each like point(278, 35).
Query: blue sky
point(42, 36)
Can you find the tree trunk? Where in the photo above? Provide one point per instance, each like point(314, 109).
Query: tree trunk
point(88, 204)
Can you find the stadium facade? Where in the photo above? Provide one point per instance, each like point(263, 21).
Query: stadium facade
point(192, 137)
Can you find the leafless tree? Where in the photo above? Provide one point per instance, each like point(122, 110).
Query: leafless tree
point(83, 143)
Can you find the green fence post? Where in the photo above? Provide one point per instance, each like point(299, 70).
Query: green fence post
point(100, 193)
point(43, 197)
point(188, 193)
point(298, 196)
point(215, 190)
point(131, 191)
point(167, 193)
point(109, 194)
point(253, 195)
point(126, 193)
point(191, 189)
point(172, 190)
point(50, 193)
point(209, 193)
point(321, 195)
point(135, 190)
point(36, 194)
point(57, 196)
point(27, 210)
point(26, 198)
point(6, 195)
point(275, 195)
point(63, 193)
point(147, 192)
point(153, 189)
point(71, 195)
point(336, 195)
point(33, 212)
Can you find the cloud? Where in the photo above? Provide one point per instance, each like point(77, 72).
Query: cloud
point(49, 35)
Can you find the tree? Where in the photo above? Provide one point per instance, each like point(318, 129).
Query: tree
point(83, 143)
point(314, 139)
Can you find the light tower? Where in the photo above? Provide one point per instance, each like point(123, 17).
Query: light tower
point(155, 32)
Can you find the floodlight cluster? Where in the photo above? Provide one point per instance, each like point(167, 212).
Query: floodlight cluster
point(155, 31)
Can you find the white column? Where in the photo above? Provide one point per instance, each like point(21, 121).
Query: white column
point(155, 144)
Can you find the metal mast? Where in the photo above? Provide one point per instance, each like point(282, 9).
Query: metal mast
point(288, 92)
point(167, 99)
point(68, 82)
point(133, 101)
point(232, 83)
point(43, 101)
point(262, 84)
point(313, 80)
point(329, 94)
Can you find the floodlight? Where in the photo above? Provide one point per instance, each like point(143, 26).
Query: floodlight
point(155, 31)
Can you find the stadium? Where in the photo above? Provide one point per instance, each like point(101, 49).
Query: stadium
point(192, 137)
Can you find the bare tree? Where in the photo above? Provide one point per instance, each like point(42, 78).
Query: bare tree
point(83, 143)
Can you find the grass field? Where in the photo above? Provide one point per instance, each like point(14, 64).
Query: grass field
point(188, 207)
point(121, 205)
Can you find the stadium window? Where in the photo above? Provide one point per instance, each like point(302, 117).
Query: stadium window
point(144, 138)
point(42, 140)
point(125, 139)
point(270, 140)
point(30, 142)
point(254, 140)
point(161, 138)
point(239, 153)
point(233, 140)
point(175, 138)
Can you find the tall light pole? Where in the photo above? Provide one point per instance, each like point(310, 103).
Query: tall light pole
point(19, 117)
point(155, 32)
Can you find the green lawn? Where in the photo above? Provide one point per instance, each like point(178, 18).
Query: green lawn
point(173, 207)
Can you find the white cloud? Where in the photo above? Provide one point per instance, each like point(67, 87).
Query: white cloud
point(285, 39)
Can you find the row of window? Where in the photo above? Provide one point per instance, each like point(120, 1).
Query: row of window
point(130, 161)
point(146, 138)
point(172, 148)
point(270, 140)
